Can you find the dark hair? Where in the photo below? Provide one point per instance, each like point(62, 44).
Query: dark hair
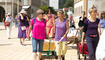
point(48, 11)
point(102, 13)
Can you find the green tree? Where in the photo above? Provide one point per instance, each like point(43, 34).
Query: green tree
point(45, 8)
point(69, 3)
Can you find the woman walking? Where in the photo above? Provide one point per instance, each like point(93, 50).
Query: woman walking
point(8, 23)
point(91, 32)
point(61, 31)
point(102, 21)
point(49, 24)
point(22, 26)
point(38, 26)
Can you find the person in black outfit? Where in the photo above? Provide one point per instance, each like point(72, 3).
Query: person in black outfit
point(81, 23)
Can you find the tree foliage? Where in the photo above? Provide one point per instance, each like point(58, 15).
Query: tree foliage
point(45, 8)
point(69, 3)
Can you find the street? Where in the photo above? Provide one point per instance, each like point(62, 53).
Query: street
point(12, 50)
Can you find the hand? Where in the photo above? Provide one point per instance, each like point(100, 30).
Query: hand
point(28, 37)
point(82, 43)
point(100, 33)
point(21, 15)
point(64, 36)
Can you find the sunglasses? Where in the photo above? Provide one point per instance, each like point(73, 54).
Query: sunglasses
point(42, 13)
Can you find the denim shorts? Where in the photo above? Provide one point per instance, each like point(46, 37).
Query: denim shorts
point(37, 45)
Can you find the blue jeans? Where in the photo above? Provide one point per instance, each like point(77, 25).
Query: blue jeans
point(37, 45)
point(92, 45)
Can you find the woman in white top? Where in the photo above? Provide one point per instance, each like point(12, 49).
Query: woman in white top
point(9, 20)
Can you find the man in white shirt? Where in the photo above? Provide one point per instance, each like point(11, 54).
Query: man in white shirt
point(10, 20)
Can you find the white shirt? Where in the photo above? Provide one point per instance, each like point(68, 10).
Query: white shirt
point(9, 19)
point(100, 51)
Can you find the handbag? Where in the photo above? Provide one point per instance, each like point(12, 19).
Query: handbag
point(7, 23)
point(23, 28)
point(84, 49)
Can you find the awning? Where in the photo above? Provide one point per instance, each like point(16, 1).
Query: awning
point(25, 7)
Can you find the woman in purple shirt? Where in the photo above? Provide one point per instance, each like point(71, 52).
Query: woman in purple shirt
point(91, 32)
point(62, 29)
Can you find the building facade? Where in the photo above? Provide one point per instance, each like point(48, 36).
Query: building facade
point(61, 3)
point(9, 6)
point(35, 4)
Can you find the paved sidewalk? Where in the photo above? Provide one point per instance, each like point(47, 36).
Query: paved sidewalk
point(12, 50)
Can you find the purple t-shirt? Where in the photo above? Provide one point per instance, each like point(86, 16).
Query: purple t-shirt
point(60, 30)
point(91, 28)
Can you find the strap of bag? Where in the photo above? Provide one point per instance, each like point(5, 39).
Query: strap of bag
point(35, 20)
point(33, 23)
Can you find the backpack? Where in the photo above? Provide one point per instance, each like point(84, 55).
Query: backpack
point(35, 20)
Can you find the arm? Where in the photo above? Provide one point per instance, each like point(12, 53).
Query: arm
point(21, 17)
point(99, 29)
point(67, 29)
point(84, 32)
point(27, 19)
point(83, 37)
point(54, 27)
point(30, 28)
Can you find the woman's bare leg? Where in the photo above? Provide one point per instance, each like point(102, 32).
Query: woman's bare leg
point(59, 57)
point(34, 56)
point(39, 56)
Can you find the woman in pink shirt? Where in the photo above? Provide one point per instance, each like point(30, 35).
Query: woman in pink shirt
point(37, 26)
point(49, 24)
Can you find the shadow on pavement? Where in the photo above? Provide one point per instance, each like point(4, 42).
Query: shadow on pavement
point(5, 44)
point(48, 57)
point(28, 44)
point(2, 29)
point(72, 47)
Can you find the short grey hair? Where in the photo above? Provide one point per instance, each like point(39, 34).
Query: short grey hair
point(39, 11)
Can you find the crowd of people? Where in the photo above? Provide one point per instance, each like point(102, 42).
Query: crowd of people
point(46, 26)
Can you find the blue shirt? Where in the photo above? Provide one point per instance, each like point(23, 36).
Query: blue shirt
point(102, 23)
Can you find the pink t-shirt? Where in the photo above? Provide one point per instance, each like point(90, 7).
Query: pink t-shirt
point(38, 31)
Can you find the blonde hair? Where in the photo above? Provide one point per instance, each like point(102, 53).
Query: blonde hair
point(93, 8)
point(60, 11)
